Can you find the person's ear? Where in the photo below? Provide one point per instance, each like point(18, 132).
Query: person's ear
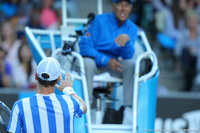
point(113, 6)
point(57, 80)
point(36, 77)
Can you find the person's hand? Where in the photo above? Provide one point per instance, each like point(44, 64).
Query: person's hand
point(115, 65)
point(122, 39)
point(65, 83)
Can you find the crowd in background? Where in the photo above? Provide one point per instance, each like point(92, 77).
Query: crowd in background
point(16, 63)
point(177, 25)
point(174, 24)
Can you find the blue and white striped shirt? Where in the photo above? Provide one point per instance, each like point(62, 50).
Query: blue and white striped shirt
point(45, 114)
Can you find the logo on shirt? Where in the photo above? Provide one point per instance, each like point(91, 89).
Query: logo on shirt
point(87, 34)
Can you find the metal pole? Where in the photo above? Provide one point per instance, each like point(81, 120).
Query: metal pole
point(99, 6)
point(64, 12)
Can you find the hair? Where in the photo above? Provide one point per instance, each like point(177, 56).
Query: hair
point(13, 38)
point(191, 12)
point(46, 83)
point(188, 14)
point(177, 13)
point(24, 43)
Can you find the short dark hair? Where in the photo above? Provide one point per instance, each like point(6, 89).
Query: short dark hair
point(46, 83)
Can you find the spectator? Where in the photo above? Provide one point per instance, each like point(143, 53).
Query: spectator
point(169, 24)
point(9, 9)
point(24, 13)
point(175, 20)
point(5, 70)
point(111, 36)
point(48, 16)
point(197, 8)
point(24, 8)
point(24, 66)
point(188, 47)
point(9, 41)
point(34, 21)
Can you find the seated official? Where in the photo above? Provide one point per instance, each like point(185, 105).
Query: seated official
point(108, 46)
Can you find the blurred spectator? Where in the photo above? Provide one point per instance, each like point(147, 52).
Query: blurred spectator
point(1, 14)
point(170, 22)
point(147, 16)
point(192, 4)
point(23, 13)
point(197, 8)
point(175, 20)
point(35, 2)
point(34, 21)
point(188, 47)
point(9, 41)
point(24, 68)
point(48, 16)
point(9, 9)
point(5, 70)
point(24, 8)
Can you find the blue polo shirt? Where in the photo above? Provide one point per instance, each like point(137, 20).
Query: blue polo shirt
point(99, 41)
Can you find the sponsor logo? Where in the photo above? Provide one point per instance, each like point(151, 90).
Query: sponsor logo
point(189, 122)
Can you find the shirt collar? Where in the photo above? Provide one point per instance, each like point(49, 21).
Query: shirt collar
point(45, 95)
point(115, 21)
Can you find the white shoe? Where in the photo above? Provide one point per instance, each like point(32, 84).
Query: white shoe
point(127, 116)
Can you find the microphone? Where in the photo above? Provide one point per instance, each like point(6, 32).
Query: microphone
point(80, 30)
point(90, 17)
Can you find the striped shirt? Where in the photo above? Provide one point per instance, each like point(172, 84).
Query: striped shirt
point(45, 114)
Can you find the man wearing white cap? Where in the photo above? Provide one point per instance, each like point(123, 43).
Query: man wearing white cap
point(46, 112)
point(108, 46)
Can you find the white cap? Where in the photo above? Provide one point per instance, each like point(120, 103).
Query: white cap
point(49, 66)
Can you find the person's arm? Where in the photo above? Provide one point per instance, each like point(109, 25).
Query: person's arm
point(122, 39)
point(81, 101)
point(88, 41)
point(66, 87)
point(129, 37)
point(6, 79)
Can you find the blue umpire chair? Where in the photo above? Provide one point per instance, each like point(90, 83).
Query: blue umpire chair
point(145, 86)
point(45, 43)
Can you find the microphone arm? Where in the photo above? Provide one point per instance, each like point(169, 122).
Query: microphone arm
point(80, 30)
